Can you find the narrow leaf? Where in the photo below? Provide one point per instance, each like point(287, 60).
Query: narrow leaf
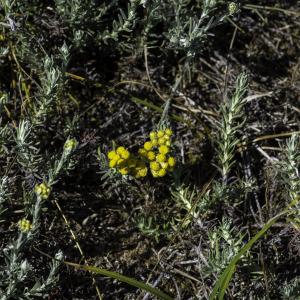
point(223, 282)
point(131, 281)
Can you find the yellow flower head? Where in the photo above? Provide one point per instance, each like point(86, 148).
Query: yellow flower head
point(116, 157)
point(163, 149)
point(160, 133)
point(25, 225)
point(43, 190)
point(142, 152)
point(125, 154)
point(168, 132)
point(70, 145)
point(112, 163)
point(151, 155)
point(171, 161)
point(154, 173)
point(111, 154)
point(164, 165)
point(168, 143)
point(154, 142)
point(120, 150)
point(148, 146)
point(161, 141)
point(124, 171)
point(152, 135)
point(232, 8)
point(142, 172)
point(162, 172)
point(154, 166)
point(160, 158)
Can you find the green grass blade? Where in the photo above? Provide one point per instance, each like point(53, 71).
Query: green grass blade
point(219, 283)
point(131, 281)
point(226, 282)
point(223, 282)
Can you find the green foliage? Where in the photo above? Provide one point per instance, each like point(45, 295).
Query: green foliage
point(289, 169)
point(40, 288)
point(188, 31)
point(150, 226)
point(224, 244)
point(291, 290)
point(16, 273)
point(4, 193)
point(232, 120)
point(77, 75)
point(188, 199)
point(27, 153)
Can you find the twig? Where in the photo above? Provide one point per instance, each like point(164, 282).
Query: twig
point(77, 245)
point(271, 8)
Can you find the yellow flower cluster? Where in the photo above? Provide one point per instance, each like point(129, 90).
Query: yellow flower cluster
point(43, 190)
point(139, 169)
point(70, 145)
point(232, 8)
point(156, 151)
point(125, 163)
point(25, 225)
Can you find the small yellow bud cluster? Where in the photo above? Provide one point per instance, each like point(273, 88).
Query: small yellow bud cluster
point(25, 225)
point(70, 145)
point(140, 169)
point(119, 159)
point(232, 8)
point(125, 163)
point(43, 190)
point(156, 151)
